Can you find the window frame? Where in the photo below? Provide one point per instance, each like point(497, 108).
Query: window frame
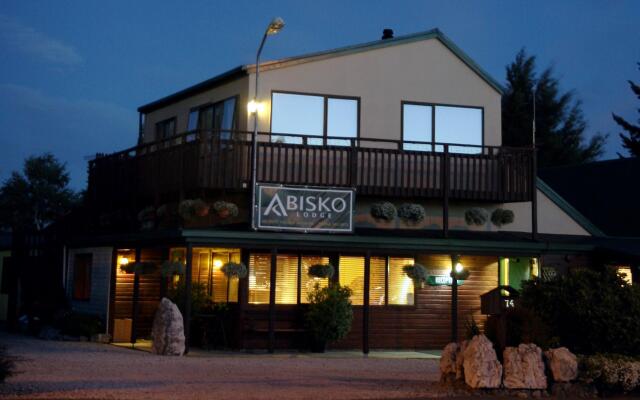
point(325, 105)
point(164, 122)
point(386, 304)
point(235, 119)
point(433, 106)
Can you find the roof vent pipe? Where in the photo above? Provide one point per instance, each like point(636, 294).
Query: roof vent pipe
point(387, 33)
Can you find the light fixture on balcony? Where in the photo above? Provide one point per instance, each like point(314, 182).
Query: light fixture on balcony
point(255, 107)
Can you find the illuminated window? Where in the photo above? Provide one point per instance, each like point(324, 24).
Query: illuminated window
point(625, 272)
point(377, 289)
point(207, 271)
point(400, 285)
point(287, 279)
point(308, 282)
point(259, 278)
point(351, 272)
point(515, 270)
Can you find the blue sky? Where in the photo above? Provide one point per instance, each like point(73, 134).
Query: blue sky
point(74, 72)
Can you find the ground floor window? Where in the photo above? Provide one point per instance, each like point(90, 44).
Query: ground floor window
point(625, 272)
point(388, 283)
point(207, 272)
point(515, 270)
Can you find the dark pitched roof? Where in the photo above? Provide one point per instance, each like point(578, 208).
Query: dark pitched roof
point(606, 192)
point(242, 70)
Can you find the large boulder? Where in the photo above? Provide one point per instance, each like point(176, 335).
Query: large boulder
point(460, 359)
point(562, 363)
point(168, 330)
point(524, 368)
point(481, 366)
point(448, 359)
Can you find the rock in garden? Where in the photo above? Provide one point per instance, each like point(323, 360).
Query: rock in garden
point(562, 363)
point(168, 330)
point(524, 368)
point(460, 359)
point(448, 359)
point(481, 366)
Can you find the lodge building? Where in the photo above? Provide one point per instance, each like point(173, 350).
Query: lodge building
point(369, 157)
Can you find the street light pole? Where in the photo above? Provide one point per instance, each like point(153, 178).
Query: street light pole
point(274, 27)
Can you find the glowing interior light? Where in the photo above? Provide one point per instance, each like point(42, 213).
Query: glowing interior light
point(254, 106)
point(124, 261)
point(217, 263)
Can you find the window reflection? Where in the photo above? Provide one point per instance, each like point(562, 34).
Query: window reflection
point(417, 126)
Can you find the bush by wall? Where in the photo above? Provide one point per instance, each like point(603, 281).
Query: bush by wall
point(611, 373)
point(589, 311)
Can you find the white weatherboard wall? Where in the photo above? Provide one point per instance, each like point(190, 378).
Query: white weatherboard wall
point(422, 71)
point(98, 303)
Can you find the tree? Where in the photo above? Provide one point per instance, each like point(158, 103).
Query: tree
point(560, 124)
point(631, 141)
point(36, 197)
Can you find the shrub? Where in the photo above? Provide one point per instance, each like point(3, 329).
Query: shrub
point(500, 217)
point(7, 364)
point(321, 271)
point(411, 212)
point(233, 269)
point(199, 298)
point(416, 272)
point(384, 210)
point(476, 216)
point(330, 313)
point(515, 326)
point(589, 311)
point(611, 372)
point(171, 268)
point(79, 324)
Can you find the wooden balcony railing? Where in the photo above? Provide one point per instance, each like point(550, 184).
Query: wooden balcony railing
point(197, 161)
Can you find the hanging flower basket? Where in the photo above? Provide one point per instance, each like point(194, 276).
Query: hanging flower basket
point(142, 268)
point(147, 214)
point(384, 211)
point(411, 212)
point(191, 209)
point(172, 268)
point(501, 217)
point(321, 271)
point(234, 270)
point(476, 216)
point(417, 273)
point(225, 209)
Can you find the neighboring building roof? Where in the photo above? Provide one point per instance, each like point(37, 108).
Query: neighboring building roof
point(244, 70)
point(606, 192)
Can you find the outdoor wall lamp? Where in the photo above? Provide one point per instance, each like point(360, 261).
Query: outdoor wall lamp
point(274, 27)
point(255, 107)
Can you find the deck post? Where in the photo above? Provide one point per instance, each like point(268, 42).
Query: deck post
point(187, 297)
point(445, 192)
point(134, 302)
point(365, 307)
point(272, 301)
point(454, 301)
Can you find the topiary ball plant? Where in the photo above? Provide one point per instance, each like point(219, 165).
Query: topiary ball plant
point(417, 273)
point(412, 212)
point(234, 270)
point(476, 216)
point(321, 271)
point(384, 211)
point(500, 217)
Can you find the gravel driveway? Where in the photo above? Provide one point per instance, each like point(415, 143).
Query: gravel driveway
point(88, 370)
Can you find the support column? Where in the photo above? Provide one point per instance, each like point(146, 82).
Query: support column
point(134, 302)
point(365, 307)
point(272, 301)
point(454, 300)
point(445, 191)
point(243, 299)
point(187, 297)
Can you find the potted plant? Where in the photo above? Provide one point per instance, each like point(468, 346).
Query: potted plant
point(476, 216)
point(190, 209)
point(500, 217)
point(385, 211)
point(321, 271)
point(329, 316)
point(417, 273)
point(225, 209)
point(411, 212)
point(234, 270)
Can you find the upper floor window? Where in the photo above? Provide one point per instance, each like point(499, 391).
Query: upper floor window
point(219, 117)
point(165, 129)
point(319, 119)
point(423, 125)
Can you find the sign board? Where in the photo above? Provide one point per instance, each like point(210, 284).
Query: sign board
point(442, 280)
point(301, 209)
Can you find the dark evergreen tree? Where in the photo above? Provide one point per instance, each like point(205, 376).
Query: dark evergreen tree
point(37, 196)
point(630, 141)
point(560, 124)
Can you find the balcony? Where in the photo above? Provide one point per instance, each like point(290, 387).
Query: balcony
point(196, 162)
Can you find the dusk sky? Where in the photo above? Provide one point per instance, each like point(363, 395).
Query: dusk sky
point(74, 72)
